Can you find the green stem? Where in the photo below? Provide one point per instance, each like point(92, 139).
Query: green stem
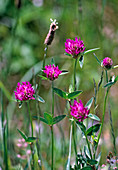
point(52, 99)
point(74, 87)
point(52, 126)
point(112, 129)
point(88, 144)
point(106, 77)
point(31, 145)
point(74, 141)
point(30, 118)
point(104, 109)
point(45, 54)
point(3, 133)
point(75, 75)
point(70, 141)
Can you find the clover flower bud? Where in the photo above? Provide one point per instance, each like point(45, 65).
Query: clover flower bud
point(107, 63)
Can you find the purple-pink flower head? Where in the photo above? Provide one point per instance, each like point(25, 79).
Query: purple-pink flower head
point(74, 47)
point(78, 111)
point(52, 72)
point(24, 91)
point(107, 63)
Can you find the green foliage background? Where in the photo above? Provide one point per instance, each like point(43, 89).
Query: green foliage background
point(22, 34)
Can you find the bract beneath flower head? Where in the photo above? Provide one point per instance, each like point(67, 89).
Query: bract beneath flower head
point(78, 111)
point(24, 91)
point(74, 47)
point(52, 72)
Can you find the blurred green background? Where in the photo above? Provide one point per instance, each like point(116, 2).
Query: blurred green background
point(22, 33)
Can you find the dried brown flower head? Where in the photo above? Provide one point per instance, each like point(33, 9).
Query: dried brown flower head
point(50, 35)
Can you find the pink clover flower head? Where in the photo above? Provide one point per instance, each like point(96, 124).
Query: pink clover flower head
point(24, 91)
point(78, 111)
point(52, 72)
point(107, 63)
point(74, 47)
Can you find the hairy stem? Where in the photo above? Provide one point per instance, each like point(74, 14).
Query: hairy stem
point(104, 109)
point(88, 144)
point(110, 115)
point(75, 75)
point(52, 126)
point(45, 54)
point(31, 145)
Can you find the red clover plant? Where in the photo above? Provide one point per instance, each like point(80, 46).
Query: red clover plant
point(78, 112)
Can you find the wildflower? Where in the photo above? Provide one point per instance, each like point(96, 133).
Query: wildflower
point(28, 151)
point(74, 47)
point(18, 156)
point(107, 63)
point(19, 145)
point(24, 91)
point(52, 72)
point(25, 144)
point(50, 35)
point(103, 165)
point(79, 111)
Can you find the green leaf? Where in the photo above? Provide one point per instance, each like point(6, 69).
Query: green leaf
point(116, 79)
point(58, 119)
point(81, 61)
point(87, 168)
point(97, 58)
point(86, 152)
point(60, 93)
point(115, 66)
point(43, 77)
point(101, 79)
point(98, 159)
point(74, 94)
point(52, 61)
point(91, 50)
point(109, 84)
point(64, 72)
point(89, 103)
point(93, 129)
point(94, 117)
point(6, 92)
point(71, 88)
point(48, 118)
point(40, 118)
point(67, 54)
point(20, 104)
point(22, 134)
point(40, 99)
point(43, 120)
point(92, 161)
point(81, 126)
point(31, 139)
